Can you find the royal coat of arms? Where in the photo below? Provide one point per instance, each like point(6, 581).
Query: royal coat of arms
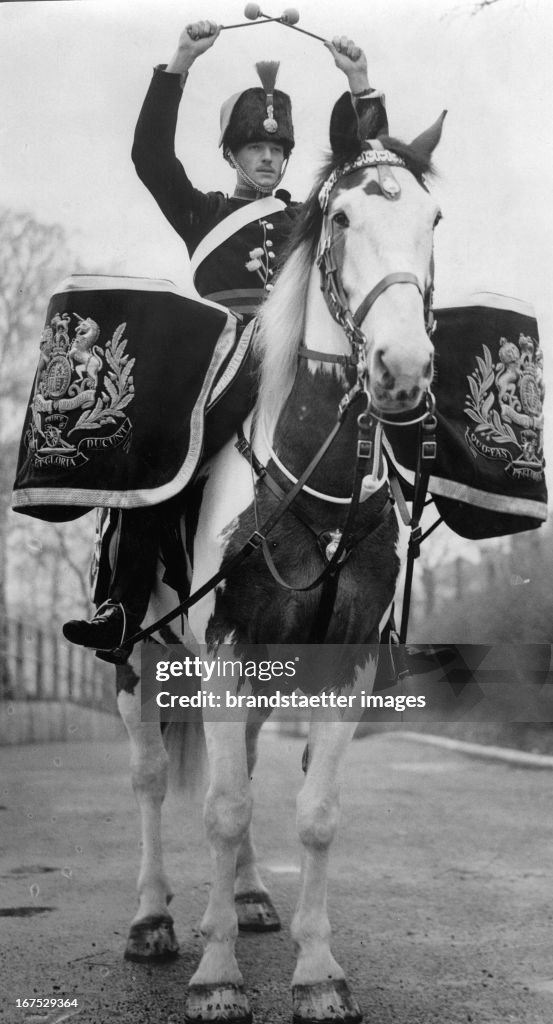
point(505, 406)
point(82, 389)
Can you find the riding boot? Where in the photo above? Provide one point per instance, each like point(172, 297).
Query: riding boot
point(119, 616)
point(110, 626)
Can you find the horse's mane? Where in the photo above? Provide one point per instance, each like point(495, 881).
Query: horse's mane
point(281, 321)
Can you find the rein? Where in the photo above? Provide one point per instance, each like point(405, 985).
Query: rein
point(335, 545)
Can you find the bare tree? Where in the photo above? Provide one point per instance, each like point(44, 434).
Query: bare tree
point(477, 6)
point(483, 5)
point(33, 257)
point(504, 599)
point(50, 569)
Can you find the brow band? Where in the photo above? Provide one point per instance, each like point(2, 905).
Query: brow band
point(368, 158)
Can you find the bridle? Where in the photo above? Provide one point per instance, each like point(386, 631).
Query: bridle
point(329, 255)
point(329, 259)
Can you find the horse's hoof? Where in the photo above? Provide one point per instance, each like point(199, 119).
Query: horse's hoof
point(256, 912)
point(327, 1002)
point(219, 1004)
point(152, 940)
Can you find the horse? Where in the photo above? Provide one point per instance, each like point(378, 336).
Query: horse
point(292, 538)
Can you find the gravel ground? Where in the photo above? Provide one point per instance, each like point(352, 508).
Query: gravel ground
point(439, 889)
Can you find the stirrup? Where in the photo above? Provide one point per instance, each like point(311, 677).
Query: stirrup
point(108, 603)
point(119, 654)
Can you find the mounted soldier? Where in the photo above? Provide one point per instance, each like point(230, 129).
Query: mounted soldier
point(235, 243)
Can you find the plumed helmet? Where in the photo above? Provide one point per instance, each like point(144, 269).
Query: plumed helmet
point(258, 113)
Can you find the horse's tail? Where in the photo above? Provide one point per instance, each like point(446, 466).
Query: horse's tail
point(185, 745)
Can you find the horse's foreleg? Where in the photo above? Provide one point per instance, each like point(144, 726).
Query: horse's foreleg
point(216, 989)
point(151, 936)
point(255, 909)
point(319, 989)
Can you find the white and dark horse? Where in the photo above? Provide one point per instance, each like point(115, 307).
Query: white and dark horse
point(343, 343)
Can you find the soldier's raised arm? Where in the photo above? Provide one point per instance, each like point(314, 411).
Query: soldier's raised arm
point(153, 152)
point(351, 59)
point(194, 40)
point(363, 102)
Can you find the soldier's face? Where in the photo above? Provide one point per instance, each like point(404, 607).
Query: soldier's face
point(262, 161)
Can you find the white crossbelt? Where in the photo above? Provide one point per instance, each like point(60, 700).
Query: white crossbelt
point(232, 224)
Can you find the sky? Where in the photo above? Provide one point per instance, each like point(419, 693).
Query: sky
point(74, 72)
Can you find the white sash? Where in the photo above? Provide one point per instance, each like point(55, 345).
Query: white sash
point(233, 223)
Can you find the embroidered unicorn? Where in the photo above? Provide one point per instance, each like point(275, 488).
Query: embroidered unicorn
point(84, 354)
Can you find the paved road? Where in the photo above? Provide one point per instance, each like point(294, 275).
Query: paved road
point(440, 888)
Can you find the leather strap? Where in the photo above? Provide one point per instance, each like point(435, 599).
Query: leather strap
point(399, 277)
point(326, 357)
point(349, 538)
point(426, 455)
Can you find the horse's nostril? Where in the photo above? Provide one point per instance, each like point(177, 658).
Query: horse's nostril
point(427, 372)
point(387, 379)
point(411, 396)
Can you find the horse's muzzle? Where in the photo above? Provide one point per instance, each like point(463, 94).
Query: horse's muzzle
point(394, 389)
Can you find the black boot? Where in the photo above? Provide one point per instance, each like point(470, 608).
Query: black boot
point(109, 628)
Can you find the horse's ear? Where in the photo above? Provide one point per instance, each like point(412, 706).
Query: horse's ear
point(425, 143)
point(350, 128)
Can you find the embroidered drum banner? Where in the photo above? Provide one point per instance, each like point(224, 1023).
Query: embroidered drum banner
point(488, 478)
point(116, 413)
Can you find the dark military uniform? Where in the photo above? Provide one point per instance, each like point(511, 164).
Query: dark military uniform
point(223, 276)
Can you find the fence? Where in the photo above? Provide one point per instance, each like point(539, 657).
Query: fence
point(52, 689)
point(42, 666)
point(508, 582)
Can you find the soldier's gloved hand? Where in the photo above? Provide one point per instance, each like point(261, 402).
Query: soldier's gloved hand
point(194, 40)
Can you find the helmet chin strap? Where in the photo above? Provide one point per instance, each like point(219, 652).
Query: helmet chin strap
point(244, 177)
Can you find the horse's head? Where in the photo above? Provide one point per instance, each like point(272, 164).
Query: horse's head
point(375, 258)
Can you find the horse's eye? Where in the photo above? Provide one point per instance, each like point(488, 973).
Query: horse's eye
point(340, 219)
point(437, 219)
